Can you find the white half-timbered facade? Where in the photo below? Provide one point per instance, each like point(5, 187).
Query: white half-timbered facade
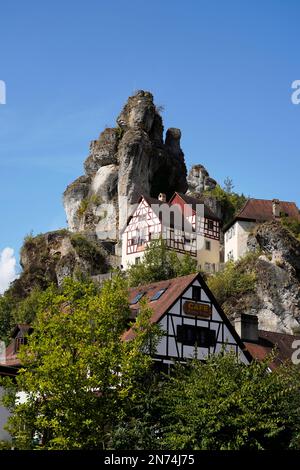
point(192, 322)
point(178, 223)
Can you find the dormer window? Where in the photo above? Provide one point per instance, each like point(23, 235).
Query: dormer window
point(137, 298)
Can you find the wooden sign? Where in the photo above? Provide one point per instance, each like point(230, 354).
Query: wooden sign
point(197, 310)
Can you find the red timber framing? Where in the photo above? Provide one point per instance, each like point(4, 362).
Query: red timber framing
point(207, 226)
point(145, 225)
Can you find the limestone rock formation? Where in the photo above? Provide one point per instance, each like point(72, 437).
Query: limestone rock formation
point(276, 298)
point(273, 238)
point(49, 258)
point(129, 160)
point(199, 180)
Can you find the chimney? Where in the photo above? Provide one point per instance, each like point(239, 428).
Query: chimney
point(276, 207)
point(246, 326)
point(162, 197)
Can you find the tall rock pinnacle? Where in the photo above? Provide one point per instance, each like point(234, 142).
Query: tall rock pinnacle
point(126, 161)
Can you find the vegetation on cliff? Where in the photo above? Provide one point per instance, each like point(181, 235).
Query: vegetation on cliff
point(292, 224)
point(47, 259)
point(237, 279)
point(230, 201)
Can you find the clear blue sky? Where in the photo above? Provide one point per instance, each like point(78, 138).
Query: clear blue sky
point(221, 69)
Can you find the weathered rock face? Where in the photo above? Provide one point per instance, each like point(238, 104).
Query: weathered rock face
point(50, 257)
point(276, 298)
point(199, 180)
point(125, 162)
point(273, 238)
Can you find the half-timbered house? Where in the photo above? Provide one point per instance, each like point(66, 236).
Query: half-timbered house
point(184, 229)
point(192, 322)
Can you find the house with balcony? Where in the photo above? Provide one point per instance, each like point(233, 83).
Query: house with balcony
point(186, 224)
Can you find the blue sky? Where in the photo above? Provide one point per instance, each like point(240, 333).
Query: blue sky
point(222, 71)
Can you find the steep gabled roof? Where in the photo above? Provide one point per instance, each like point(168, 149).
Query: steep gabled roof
point(174, 290)
point(192, 201)
point(261, 210)
point(174, 287)
point(23, 328)
point(177, 222)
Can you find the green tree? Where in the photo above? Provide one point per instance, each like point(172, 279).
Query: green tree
point(79, 377)
point(230, 201)
point(225, 405)
point(160, 263)
point(228, 185)
point(14, 311)
point(6, 317)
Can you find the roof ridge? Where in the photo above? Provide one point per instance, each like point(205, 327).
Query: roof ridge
point(164, 280)
point(279, 333)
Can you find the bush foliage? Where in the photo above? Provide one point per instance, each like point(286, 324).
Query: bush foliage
point(230, 201)
point(160, 263)
point(237, 278)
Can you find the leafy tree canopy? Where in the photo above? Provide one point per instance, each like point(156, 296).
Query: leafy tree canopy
point(225, 405)
point(79, 377)
point(230, 201)
point(160, 263)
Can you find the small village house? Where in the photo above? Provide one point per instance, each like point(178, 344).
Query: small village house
point(179, 222)
point(254, 211)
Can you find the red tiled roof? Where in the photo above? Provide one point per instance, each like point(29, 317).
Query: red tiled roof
point(11, 359)
point(192, 201)
point(174, 287)
point(262, 210)
point(270, 340)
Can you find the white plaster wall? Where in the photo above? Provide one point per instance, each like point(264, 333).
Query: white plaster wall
point(230, 244)
point(128, 259)
point(238, 242)
point(243, 230)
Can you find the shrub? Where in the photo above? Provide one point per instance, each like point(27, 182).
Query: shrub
point(86, 203)
point(88, 250)
point(237, 278)
point(160, 263)
point(83, 207)
point(230, 202)
point(292, 224)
